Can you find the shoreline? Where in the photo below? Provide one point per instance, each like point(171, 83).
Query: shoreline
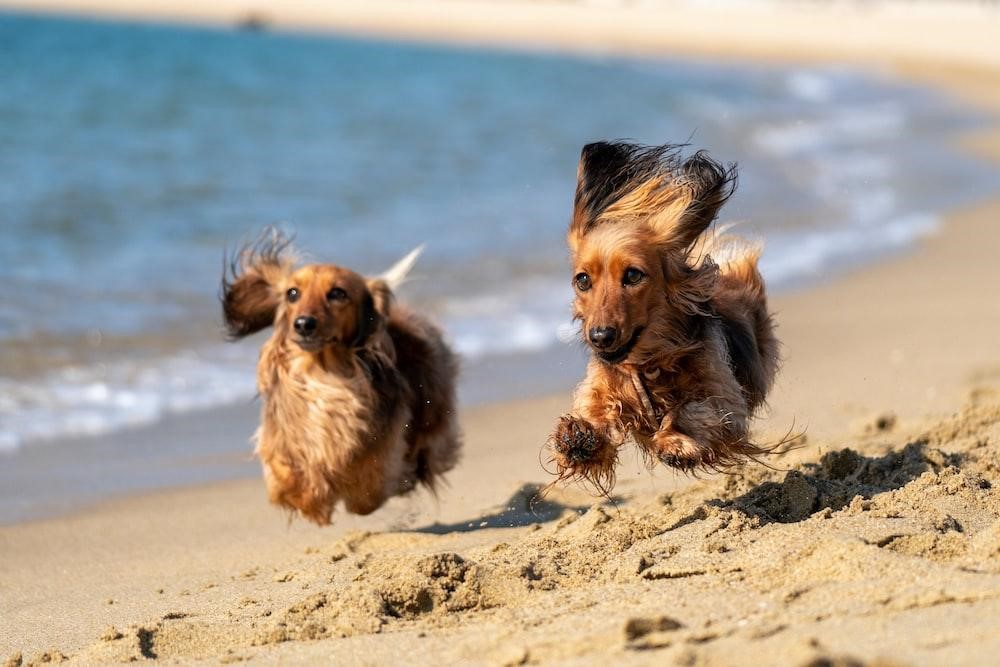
point(909, 336)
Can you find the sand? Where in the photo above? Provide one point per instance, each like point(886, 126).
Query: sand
point(893, 554)
point(883, 546)
point(877, 541)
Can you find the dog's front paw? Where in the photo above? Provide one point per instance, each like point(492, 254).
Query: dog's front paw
point(679, 451)
point(575, 441)
point(583, 451)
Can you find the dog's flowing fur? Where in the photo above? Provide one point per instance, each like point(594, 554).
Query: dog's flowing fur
point(694, 354)
point(361, 410)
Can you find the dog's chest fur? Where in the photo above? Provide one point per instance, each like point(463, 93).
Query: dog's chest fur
point(644, 394)
point(311, 412)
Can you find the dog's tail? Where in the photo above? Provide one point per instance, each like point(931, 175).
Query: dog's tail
point(735, 255)
point(742, 296)
point(397, 274)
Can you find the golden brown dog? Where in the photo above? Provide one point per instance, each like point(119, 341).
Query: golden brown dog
point(359, 392)
point(683, 346)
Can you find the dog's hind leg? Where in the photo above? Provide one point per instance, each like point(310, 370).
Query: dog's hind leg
point(370, 483)
point(364, 504)
point(434, 453)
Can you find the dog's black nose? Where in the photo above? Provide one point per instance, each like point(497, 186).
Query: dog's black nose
point(602, 337)
point(305, 325)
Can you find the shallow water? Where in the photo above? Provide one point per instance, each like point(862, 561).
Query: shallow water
point(133, 155)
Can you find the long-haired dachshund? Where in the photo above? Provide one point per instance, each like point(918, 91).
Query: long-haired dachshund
point(683, 347)
point(358, 391)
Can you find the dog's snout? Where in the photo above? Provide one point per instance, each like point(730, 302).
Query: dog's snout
point(602, 337)
point(305, 325)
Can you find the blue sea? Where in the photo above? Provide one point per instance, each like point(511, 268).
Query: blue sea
point(133, 155)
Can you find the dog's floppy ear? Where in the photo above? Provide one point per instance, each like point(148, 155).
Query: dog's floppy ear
point(251, 283)
point(378, 300)
point(613, 173)
point(707, 184)
point(375, 306)
point(602, 172)
point(620, 182)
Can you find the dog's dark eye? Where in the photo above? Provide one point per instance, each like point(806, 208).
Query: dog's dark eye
point(633, 276)
point(582, 282)
point(336, 294)
point(292, 294)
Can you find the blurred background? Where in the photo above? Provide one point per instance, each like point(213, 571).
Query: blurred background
point(137, 144)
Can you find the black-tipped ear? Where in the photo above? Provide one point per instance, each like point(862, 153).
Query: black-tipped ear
point(602, 172)
point(374, 309)
point(251, 281)
point(610, 169)
point(711, 184)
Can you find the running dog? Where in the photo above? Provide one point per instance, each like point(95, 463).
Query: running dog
point(358, 391)
point(675, 315)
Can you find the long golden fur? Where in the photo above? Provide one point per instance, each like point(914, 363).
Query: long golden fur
point(683, 346)
point(358, 391)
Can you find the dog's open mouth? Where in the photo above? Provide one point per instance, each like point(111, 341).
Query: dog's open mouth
point(613, 357)
point(314, 344)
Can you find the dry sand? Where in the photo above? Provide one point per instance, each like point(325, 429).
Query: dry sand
point(893, 553)
point(880, 543)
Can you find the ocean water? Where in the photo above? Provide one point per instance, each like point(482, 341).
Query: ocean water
point(133, 155)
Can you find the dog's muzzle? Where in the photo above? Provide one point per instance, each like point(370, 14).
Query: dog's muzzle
point(602, 337)
point(620, 353)
point(306, 325)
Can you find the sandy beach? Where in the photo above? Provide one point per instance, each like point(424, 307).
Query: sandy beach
point(875, 542)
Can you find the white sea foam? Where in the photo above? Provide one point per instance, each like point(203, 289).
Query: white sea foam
point(791, 258)
point(82, 401)
point(859, 123)
point(814, 86)
point(526, 317)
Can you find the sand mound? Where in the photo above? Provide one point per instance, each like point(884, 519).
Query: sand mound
point(796, 565)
